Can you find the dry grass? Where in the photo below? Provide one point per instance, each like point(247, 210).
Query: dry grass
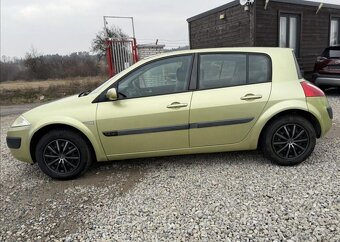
point(18, 92)
point(13, 85)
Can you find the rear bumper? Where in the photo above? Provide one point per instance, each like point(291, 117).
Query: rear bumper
point(326, 80)
point(321, 109)
point(330, 112)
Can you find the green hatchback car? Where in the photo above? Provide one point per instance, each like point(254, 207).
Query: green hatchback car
point(195, 101)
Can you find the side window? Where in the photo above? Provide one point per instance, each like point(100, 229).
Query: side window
point(222, 70)
point(165, 76)
point(259, 69)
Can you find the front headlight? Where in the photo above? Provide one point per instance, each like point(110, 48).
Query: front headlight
point(20, 122)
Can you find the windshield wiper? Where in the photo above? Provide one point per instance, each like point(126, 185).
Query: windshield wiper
point(82, 94)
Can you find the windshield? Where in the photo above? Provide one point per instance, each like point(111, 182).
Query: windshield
point(100, 86)
point(334, 53)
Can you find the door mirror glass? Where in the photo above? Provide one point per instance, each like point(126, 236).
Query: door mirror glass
point(112, 94)
point(321, 59)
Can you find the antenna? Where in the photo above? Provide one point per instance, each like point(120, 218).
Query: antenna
point(266, 5)
point(319, 8)
point(243, 2)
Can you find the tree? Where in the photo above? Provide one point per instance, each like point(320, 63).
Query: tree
point(99, 42)
point(35, 64)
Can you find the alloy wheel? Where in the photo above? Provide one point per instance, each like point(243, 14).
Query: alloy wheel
point(61, 156)
point(290, 141)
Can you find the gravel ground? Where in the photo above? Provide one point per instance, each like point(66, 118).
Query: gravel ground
point(237, 196)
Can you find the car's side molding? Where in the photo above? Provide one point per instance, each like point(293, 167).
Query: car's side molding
point(146, 130)
point(220, 123)
point(177, 127)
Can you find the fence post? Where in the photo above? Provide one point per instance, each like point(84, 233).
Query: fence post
point(109, 55)
point(134, 50)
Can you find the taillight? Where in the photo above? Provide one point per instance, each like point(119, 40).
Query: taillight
point(311, 90)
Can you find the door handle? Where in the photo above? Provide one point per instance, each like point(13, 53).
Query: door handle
point(177, 105)
point(251, 96)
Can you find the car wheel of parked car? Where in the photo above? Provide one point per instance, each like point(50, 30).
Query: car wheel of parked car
point(63, 154)
point(289, 140)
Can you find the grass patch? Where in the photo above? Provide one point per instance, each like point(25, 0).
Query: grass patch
point(20, 92)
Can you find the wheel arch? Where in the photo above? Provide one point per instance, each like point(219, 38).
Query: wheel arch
point(305, 114)
point(43, 130)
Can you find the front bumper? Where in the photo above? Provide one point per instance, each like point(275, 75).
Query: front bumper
point(18, 143)
point(13, 142)
point(326, 80)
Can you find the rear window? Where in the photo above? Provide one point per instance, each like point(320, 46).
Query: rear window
point(222, 70)
point(259, 69)
point(333, 52)
point(226, 70)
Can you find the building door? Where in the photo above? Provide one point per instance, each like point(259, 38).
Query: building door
point(290, 32)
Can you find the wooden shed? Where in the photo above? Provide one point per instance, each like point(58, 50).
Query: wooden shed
point(307, 27)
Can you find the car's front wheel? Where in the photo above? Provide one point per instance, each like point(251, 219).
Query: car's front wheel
point(289, 140)
point(63, 154)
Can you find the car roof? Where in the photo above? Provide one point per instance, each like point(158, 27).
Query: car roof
point(265, 50)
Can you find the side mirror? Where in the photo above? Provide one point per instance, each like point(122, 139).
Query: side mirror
point(321, 59)
point(112, 94)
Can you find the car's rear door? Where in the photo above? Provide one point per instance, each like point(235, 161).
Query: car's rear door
point(152, 113)
point(233, 89)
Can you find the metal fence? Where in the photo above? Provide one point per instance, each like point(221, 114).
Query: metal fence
point(120, 55)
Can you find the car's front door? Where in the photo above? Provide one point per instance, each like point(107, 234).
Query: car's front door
point(233, 91)
point(152, 111)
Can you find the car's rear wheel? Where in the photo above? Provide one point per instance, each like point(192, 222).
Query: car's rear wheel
point(289, 140)
point(63, 154)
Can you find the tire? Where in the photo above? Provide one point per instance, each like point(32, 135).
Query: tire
point(63, 154)
point(285, 145)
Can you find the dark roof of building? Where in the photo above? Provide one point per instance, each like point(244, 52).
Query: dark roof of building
point(215, 10)
point(308, 3)
point(237, 2)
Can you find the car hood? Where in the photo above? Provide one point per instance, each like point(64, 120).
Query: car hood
point(73, 107)
point(53, 106)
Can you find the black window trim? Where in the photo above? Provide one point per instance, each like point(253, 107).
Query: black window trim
point(298, 69)
point(193, 76)
point(102, 96)
point(298, 29)
point(247, 54)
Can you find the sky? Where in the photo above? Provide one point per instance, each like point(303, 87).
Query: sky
point(66, 26)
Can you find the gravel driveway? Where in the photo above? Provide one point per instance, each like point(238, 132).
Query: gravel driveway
point(237, 196)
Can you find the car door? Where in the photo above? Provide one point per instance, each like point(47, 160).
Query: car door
point(152, 110)
point(233, 89)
